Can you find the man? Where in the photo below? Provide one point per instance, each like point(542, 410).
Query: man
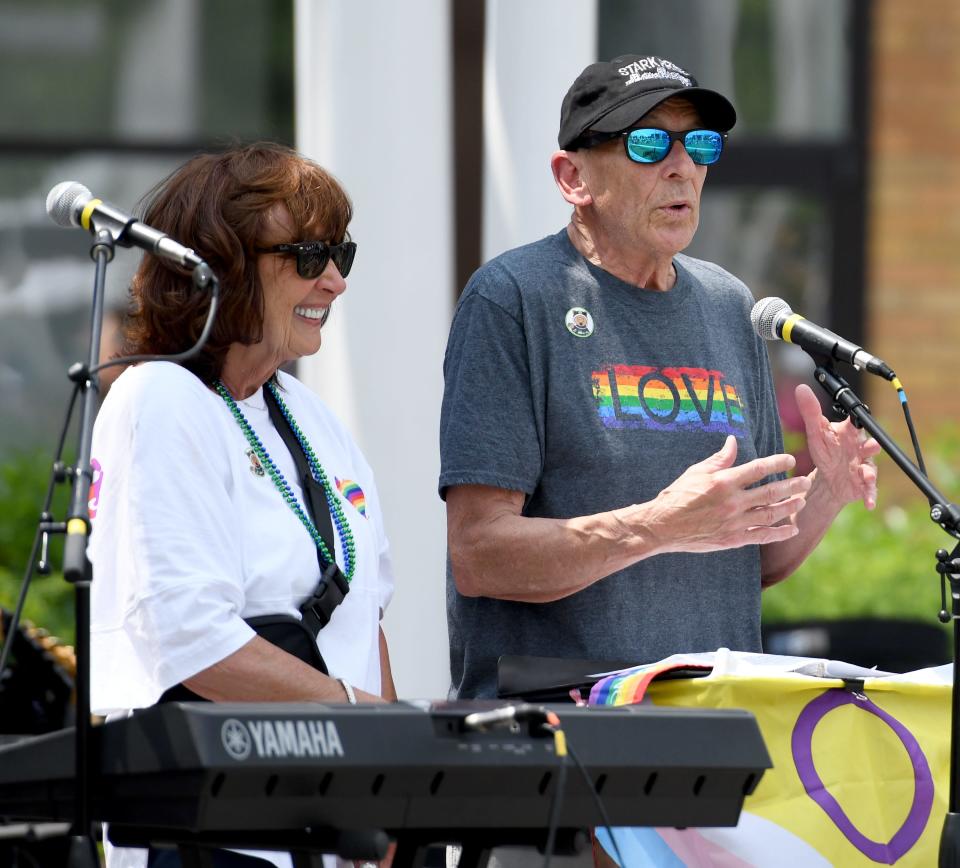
point(611, 452)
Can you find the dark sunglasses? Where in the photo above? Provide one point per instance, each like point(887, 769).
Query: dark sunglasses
point(651, 144)
point(313, 256)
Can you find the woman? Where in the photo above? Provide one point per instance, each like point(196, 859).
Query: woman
point(201, 522)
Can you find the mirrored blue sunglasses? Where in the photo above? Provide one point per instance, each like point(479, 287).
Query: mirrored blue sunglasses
point(651, 144)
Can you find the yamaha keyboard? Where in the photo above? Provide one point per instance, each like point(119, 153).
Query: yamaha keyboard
point(264, 774)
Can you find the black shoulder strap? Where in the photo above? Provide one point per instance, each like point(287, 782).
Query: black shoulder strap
point(332, 587)
point(313, 493)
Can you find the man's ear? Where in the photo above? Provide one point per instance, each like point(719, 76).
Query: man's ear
point(567, 166)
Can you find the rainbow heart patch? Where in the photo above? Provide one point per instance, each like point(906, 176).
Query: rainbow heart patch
point(354, 493)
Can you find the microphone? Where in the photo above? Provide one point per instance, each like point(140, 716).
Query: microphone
point(72, 204)
point(773, 320)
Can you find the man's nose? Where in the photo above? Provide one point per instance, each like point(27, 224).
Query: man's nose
point(678, 161)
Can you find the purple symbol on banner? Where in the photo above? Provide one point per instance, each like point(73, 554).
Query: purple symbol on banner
point(802, 745)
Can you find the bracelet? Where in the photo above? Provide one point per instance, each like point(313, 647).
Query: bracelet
point(351, 696)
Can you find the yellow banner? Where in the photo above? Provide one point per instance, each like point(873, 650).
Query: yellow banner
point(860, 777)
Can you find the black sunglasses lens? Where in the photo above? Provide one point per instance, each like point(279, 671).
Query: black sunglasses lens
point(310, 263)
point(342, 256)
point(312, 259)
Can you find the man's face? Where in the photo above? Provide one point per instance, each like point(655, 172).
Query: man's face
point(656, 205)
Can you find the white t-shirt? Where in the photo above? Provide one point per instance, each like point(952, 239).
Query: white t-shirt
point(190, 536)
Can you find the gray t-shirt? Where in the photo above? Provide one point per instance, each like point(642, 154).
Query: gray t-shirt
point(588, 394)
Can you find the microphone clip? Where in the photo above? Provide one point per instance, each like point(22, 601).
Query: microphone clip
point(844, 400)
point(105, 243)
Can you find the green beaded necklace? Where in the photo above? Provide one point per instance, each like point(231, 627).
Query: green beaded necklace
point(347, 545)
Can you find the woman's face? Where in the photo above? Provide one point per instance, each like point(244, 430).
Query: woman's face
point(294, 309)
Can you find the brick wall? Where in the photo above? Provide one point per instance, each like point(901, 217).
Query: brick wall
point(913, 246)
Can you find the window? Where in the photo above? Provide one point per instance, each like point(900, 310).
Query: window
point(95, 94)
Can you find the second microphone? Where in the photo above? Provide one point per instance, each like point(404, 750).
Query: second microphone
point(773, 320)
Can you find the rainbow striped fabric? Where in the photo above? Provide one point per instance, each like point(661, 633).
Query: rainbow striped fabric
point(628, 686)
point(667, 399)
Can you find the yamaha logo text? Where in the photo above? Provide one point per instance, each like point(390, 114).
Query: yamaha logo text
point(280, 739)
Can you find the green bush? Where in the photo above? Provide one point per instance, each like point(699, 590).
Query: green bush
point(879, 563)
point(49, 602)
point(23, 485)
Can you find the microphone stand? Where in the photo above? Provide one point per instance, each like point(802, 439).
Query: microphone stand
point(947, 515)
point(76, 565)
point(110, 229)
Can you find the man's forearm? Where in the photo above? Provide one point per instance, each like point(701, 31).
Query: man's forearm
point(538, 560)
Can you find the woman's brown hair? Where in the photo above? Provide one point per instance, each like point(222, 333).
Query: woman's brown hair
point(217, 204)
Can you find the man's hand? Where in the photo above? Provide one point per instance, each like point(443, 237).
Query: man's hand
point(711, 505)
point(496, 551)
point(844, 472)
point(842, 454)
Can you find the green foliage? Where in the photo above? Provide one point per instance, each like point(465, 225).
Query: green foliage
point(880, 563)
point(49, 602)
point(23, 485)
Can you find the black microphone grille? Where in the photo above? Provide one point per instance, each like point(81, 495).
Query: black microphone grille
point(62, 202)
point(765, 315)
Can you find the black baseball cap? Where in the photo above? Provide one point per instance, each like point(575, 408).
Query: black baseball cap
point(608, 97)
